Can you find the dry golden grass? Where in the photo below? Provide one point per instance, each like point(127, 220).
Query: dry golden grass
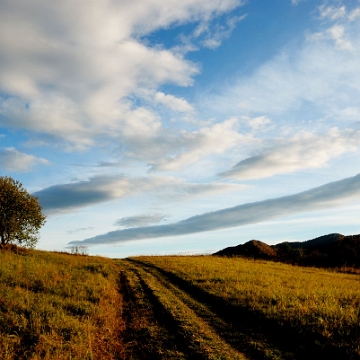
point(61, 306)
point(58, 306)
point(188, 336)
point(320, 305)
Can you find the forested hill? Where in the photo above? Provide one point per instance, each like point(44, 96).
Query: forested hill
point(333, 250)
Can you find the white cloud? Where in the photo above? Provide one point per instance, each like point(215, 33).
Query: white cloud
point(83, 106)
point(77, 65)
point(257, 124)
point(171, 150)
point(16, 161)
point(336, 33)
point(332, 12)
point(329, 195)
point(303, 151)
point(340, 16)
point(173, 103)
point(354, 14)
point(192, 146)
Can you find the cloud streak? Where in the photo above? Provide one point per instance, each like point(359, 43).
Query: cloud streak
point(140, 220)
point(331, 194)
point(98, 189)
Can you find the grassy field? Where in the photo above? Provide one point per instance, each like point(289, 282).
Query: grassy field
point(61, 306)
point(257, 309)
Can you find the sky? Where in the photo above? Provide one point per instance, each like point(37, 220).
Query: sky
point(153, 127)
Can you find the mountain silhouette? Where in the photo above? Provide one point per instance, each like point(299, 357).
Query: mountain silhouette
point(254, 249)
point(332, 250)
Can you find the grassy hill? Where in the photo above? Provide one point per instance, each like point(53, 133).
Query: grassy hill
point(62, 306)
point(58, 306)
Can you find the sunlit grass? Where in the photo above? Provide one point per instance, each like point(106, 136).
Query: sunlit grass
point(317, 303)
point(201, 340)
point(62, 306)
point(58, 306)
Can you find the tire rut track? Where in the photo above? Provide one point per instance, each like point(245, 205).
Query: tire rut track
point(225, 330)
point(195, 323)
point(152, 333)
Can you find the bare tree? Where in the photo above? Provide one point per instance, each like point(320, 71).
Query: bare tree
point(79, 250)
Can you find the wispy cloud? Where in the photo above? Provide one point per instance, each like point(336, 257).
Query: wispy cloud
point(302, 151)
point(189, 147)
point(140, 220)
point(332, 12)
point(332, 194)
point(337, 34)
point(301, 84)
point(213, 38)
point(296, 2)
point(89, 228)
point(16, 161)
point(209, 33)
point(339, 18)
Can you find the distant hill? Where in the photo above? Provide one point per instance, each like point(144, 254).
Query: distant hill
point(318, 242)
point(253, 248)
point(332, 250)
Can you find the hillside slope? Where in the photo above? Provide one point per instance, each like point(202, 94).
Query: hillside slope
point(252, 249)
point(332, 250)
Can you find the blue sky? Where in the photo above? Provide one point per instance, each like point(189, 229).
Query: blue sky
point(166, 127)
